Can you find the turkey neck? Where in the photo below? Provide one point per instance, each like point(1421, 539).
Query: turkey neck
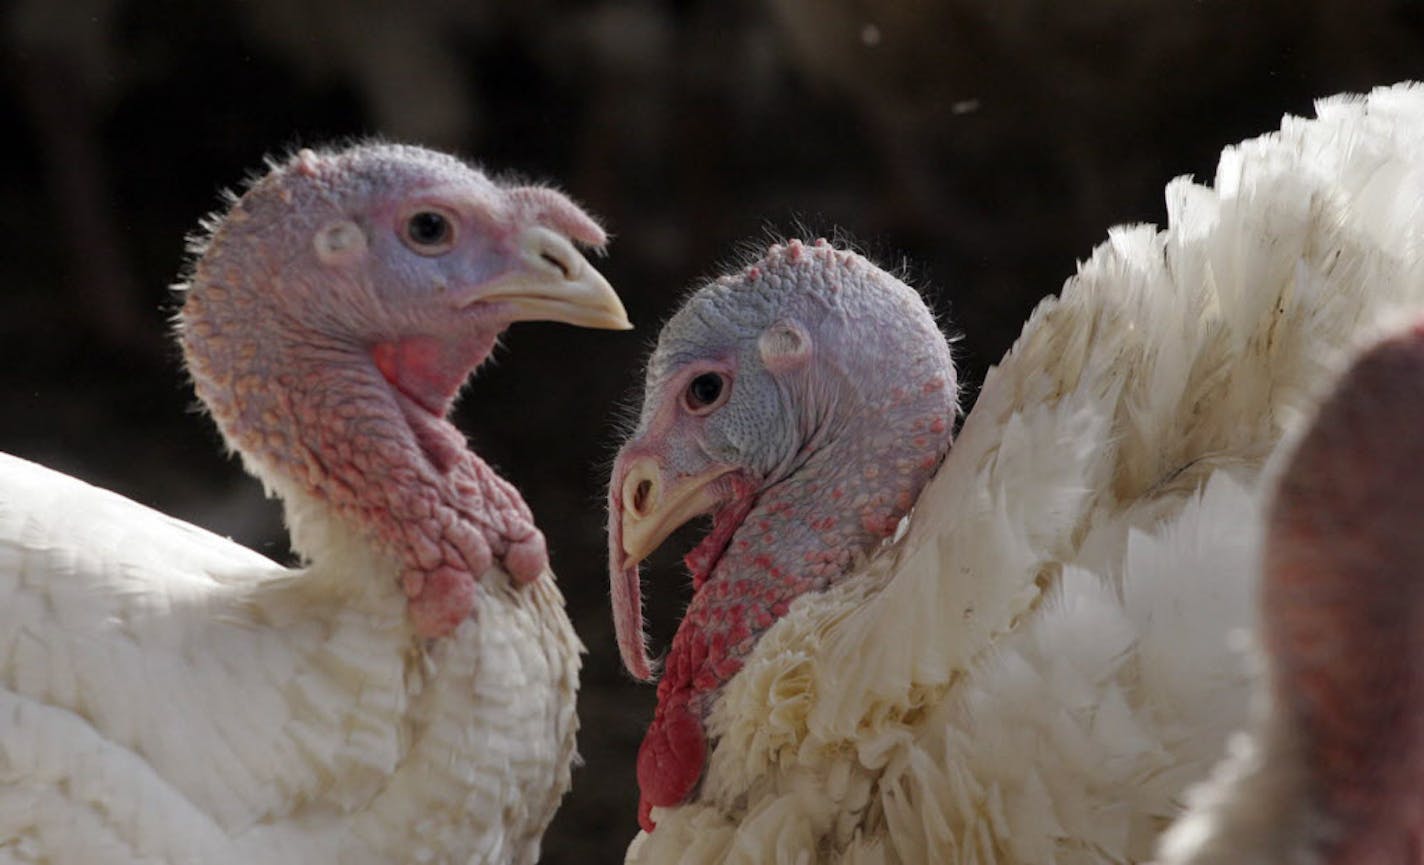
point(804, 533)
point(314, 418)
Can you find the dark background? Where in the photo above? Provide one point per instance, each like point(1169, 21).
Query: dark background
point(982, 146)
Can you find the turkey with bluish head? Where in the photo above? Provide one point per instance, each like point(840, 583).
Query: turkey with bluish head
point(770, 406)
point(407, 692)
point(1042, 661)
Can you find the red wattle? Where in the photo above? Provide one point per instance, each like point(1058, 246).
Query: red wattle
point(420, 369)
point(429, 370)
point(670, 760)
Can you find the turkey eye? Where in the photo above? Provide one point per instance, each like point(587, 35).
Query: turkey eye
point(429, 231)
point(705, 390)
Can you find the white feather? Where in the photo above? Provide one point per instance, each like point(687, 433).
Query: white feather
point(167, 696)
point(1052, 653)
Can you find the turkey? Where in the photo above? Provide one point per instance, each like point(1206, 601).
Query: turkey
point(407, 693)
point(1331, 771)
point(1033, 664)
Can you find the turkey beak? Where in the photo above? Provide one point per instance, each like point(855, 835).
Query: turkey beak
point(653, 509)
point(554, 282)
point(644, 508)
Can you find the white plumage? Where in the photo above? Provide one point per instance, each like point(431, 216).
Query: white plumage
point(171, 696)
point(1052, 651)
point(167, 696)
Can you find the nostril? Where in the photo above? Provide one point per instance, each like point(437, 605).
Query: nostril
point(640, 497)
point(548, 253)
point(640, 489)
point(561, 265)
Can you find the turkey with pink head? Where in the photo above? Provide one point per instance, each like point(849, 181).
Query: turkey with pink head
point(1044, 654)
point(1332, 769)
point(407, 692)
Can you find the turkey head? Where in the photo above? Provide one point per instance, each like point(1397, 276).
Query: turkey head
point(332, 314)
point(802, 403)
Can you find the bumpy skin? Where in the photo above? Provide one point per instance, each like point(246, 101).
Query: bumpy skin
point(329, 348)
point(818, 450)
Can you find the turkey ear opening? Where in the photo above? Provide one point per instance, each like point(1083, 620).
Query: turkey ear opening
point(340, 244)
point(784, 346)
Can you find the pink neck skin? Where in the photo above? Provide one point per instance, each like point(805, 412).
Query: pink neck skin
point(363, 430)
point(1343, 608)
point(800, 535)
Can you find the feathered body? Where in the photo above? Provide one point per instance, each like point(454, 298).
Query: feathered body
point(174, 697)
point(1050, 653)
point(407, 693)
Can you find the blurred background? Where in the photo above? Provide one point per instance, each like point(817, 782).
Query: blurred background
point(981, 146)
